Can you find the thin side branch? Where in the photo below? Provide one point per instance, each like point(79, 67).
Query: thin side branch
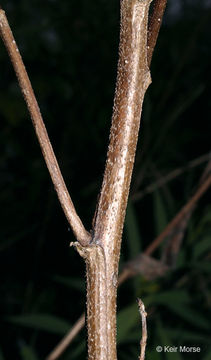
point(144, 329)
point(155, 22)
point(79, 231)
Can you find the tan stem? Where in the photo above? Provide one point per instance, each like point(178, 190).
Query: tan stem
point(79, 231)
point(144, 329)
point(102, 256)
point(155, 22)
point(132, 81)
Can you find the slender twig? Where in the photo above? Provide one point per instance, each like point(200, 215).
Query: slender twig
point(170, 176)
point(79, 231)
point(144, 329)
point(63, 344)
point(155, 21)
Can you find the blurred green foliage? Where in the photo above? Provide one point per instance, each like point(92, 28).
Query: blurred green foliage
point(70, 50)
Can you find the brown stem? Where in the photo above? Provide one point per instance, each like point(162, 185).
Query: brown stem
point(102, 256)
point(144, 329)
point(79, 231)
point(155, 21)
point(132, 81)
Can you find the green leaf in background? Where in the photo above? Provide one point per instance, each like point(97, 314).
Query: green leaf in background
point(127, 318)
point(43, 322)
point(172, 296)
point(201, 247)
point(132, 230)
point(160, 214)
point(190, 315)
point(71, 282)
point(27, 353)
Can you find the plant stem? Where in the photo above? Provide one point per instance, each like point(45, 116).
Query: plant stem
point(155, 22)
point(79, 231)
point(144, 329)
point(102, 256)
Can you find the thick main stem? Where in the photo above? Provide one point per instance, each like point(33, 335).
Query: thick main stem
point(102, 256)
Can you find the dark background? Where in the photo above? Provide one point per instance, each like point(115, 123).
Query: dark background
point(70, 49)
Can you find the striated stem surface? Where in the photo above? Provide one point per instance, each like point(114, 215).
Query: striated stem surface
point(102, 256)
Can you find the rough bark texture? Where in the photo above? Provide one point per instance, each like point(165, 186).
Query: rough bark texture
point(102, 256)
